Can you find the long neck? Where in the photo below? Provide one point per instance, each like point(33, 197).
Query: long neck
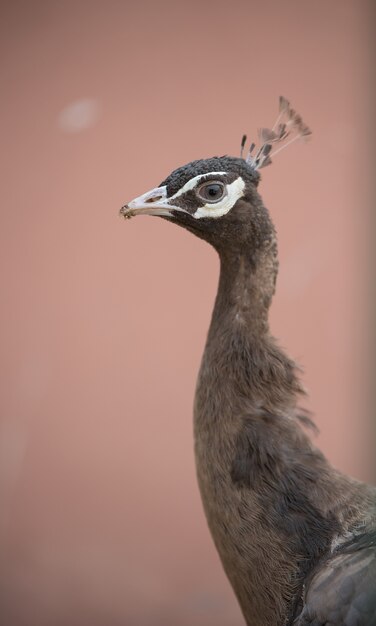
point(246, 287)
point(239, 341)
point(256, 467)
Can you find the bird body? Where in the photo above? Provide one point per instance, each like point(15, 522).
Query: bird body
point(274, 505)
point(297, 539)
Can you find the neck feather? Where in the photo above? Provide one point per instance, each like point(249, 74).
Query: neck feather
point(246, 287)
point(239, 342)
point(272, 502)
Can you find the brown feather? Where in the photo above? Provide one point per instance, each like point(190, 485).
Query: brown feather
point(288, 126)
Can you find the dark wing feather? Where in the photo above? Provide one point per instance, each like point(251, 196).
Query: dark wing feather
point(342, 592)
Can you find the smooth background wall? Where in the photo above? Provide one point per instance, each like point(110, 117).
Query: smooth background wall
point(103, 321)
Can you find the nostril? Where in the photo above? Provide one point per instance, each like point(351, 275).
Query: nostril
point(155, 199)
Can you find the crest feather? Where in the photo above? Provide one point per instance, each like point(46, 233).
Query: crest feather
point(288, 127)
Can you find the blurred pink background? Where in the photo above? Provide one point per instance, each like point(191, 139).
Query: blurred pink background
point(103, 321)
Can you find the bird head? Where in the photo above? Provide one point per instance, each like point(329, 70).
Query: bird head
point(217, 198)
point(214, 198)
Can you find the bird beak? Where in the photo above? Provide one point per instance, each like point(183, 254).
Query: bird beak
point(153, 202)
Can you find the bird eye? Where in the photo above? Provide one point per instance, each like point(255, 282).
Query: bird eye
point(211, 192)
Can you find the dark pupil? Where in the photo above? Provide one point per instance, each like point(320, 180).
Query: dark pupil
point(213, 191)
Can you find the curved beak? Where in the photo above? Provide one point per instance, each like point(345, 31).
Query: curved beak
point(153, 202)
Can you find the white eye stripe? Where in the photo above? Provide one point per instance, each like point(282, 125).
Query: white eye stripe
point(192, 183)
point(235, 190)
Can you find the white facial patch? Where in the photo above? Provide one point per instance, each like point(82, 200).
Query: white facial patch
point(192, 183)
point(235, 190)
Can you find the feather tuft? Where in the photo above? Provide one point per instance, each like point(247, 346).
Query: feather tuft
point(242, 144)
point(289, 127)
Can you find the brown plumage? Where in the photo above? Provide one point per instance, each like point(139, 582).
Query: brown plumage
point(296, 537)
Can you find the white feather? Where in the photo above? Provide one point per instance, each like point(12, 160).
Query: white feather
point(235, 190)
point(192, 183)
